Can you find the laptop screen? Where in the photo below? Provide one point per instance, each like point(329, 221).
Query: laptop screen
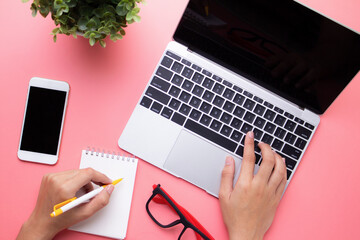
point(279, 44)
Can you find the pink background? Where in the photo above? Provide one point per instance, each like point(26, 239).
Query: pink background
point(322, 201)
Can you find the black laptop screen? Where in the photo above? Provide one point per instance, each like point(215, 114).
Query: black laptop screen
point(279, 44)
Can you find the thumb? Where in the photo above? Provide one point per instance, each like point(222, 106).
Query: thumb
point(98, 202)
point(227, 177)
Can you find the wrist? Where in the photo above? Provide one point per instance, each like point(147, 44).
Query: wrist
point(35, 230)
point(243, 235)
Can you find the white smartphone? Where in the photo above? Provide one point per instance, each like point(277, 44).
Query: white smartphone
point(43, 121)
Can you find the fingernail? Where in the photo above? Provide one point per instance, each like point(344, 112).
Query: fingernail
point(228, 161)
point(250, 134)
point(283, 159)
point(109, 188)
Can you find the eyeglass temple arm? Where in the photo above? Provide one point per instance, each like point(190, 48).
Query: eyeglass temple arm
point(185, 213)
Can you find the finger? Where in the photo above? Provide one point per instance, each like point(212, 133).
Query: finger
point(248, 162)
point(87, 175)
point(97, 203)
point(280, 190)
point(279, 172)
point(267, 164)
point(227, 178)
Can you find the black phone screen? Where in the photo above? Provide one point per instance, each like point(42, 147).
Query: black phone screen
point(43, 118)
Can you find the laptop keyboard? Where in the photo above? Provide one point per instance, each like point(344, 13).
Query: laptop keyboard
point(221, 112)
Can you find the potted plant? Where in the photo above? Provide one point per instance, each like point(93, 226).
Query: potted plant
point(92, 19)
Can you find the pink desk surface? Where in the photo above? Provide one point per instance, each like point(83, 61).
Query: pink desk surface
point(322, 201)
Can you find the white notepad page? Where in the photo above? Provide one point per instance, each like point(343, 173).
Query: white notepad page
point(112, 220)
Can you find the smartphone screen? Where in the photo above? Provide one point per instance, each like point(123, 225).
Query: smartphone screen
point(43, 118)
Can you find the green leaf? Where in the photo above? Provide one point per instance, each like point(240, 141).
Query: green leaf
point(102, 43)
point(33, 9)
point(82, 23)
point(55, 38)
point(92, 41)
point(137, 18)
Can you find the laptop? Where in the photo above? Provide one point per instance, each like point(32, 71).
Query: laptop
point(271, 67)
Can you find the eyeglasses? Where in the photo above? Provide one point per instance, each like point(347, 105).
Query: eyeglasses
point(160, 202)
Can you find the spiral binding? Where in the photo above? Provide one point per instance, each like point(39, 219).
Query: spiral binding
point(108, 154)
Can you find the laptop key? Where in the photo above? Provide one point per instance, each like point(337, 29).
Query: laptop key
point(205, 119)
point(267, 139)
point(290, 163)
point(240, 151)
point(308, 125)
point(156, 107)
point(228, 84)
point(215, 125)
point(167, 112)
point(215, 112)
point(225, 130)
point(225, 118)
point(198, 91)
point(205, 107)
point(228, 106)
point(291, 151)
point(195, 102)
point(186, 62)
point(236, 123)
point(196, 67)
point(208, 83)
point(236, 136)
point(257, 134)
point(249, 104)
point(185, 109)
point(239, 112)
point(280, 133)
point(211, 135)
point(177, 80)
point(174, 91)
point(259, 122)
point(217, 78)
point(218, 101)
point(178, 118)
point(246, 128)
point(173, 55)
point(300, 143)
point(239, 99)
point(290, 138)
point(303, 132)
point(195, 114)
point(269, 127)
point(229, 94)
point(277, 144)
point(289, 115)
point(257, 99)
point(279, 110)
point(208, 96)
point(166, 62)
point(187, 85)
point(160, 84)
point(290, 125)
point(187, 72)
point(177, 67)
point(174, 104)
point(185, 97)
point(269, 115)
point(198, 78)
point(207, 73)
point(146, 102)
point(238, 89)
point(280, 120)
point(157, 95)
point(259, 110)
point(288, 173)
point(249, 117)
point(164, 73)
point(246, 93)
point(218, 88)
point(269, 105)
point(298, 120)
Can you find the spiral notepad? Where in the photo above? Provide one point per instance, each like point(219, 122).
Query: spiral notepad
point(112, 220)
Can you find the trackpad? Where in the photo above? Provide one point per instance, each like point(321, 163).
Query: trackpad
point(198, 162)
